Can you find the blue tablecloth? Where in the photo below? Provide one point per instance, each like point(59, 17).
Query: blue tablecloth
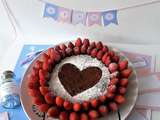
point(26, 56)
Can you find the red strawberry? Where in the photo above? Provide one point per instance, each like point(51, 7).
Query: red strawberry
point(89, 49)
point(99, 45)
point(126, 73)
point(76, 50)
point(103, 98)
point(113, 67)
point(120, 99)
point(46, 66)
point(123, 65)
point(64, 116)
point(34, 92)
point(49, 98)
point(38, 100)
point(43, 82)
point(78, 42)
point(43, 107)
point(111, 53)
point(76, 107)
point(62, 53)
point(94, 103)
point(122, 90)
point(105, 48)
point(44, 75)
point(67, 105)
point(35, 71)
point(38, 64)
point(59, 101)
point(85, 105)
point(107, 61)
point(93, 45)
point(110, 95)
point(33, 85)
point(44, 90)
point(103, 110)
point(86, 42)
point(113, 81)
point(53, 112)
point(113, 106)
point(112, 88)
point(57, 48)
point(55, 55)
point(49, 51)
point(104, 57)
point(69, 51)
point(51, 62)
point(99, 54)
point(73, 116)
point(116, 58)
point(124, 82)
point(70, 45)
point(94, 52)
point(84, 116)
point(83, 49)
point(63, 47)
point(45, 57)
point(93, 114)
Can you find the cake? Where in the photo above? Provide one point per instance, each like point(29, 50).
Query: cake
point(76, 81)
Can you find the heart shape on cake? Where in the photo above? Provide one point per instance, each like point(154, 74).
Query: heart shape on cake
point(75, 81)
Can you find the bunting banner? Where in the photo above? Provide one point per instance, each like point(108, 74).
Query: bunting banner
point(65, 15)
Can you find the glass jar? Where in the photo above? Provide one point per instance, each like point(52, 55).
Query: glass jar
point(9, 92)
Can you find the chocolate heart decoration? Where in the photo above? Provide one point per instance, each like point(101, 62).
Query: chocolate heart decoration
point(76, 81)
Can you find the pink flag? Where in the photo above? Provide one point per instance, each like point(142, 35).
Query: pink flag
point(94, 18)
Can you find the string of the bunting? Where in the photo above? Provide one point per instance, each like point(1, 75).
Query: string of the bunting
point(101, 18)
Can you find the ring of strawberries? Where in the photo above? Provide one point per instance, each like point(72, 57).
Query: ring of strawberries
point(58, 107)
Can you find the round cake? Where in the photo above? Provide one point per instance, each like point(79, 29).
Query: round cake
point(79, 81)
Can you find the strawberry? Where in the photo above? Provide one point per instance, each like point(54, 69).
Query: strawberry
point(93, 114)
point(116, 58)
point(83, 49)
point(49, 98)
point(69, 51)
point(89, 49)
point(53, 112)
point(57, 48)
point(85, 105)
point(43, 82)
point(38, 100)
point(113, 81)
point(111, 53)
point(99, 45)
point(104, 57)
point(67, 105)
point(113, 67)
point(120, 99)
point(70, 45)
point(51, 62)
point(105, 49)
point(94, 52)
point(102, 98)
point(44, 90)
point(123, 65)
point(103, 110)
point(45, 57)
point(84, 116)
point(107, 61)
point(99, 54)
point(64, 116)
point(76, 50)
point(62, 53)
point(86, 42)
point(94, 103)
point(34, 92)
point(46, 66)
point(43, 107)
point(122, 90)
point(55, 55)
point(93, 45)
point(38, 64)
point(76, 107)
point(113, 106)
point(110, 95)
point(35, 71)
point(73, 116)
point(111, 88)
point(33, 85)
point(124, 82)
point(78, 42)
point(63, 47)
point(126, 73)
point(44, 75)
point(59, 101)
point(49, 51)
